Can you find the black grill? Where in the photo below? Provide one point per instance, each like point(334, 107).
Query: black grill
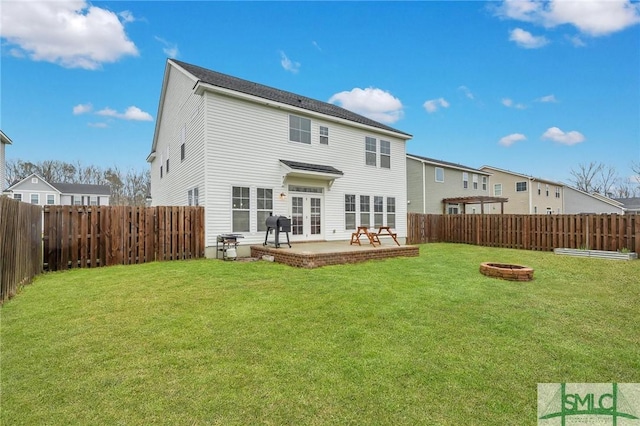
point(278, 224)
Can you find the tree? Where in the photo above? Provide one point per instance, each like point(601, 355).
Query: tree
point(584, 177)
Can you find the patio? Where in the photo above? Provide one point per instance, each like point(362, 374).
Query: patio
point(322, 253)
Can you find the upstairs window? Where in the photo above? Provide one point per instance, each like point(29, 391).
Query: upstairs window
point(182, 152)
point(385, 154)
point(547, 190)
point(324, 135)
point(299, 129)
point(497, 189)
point(557, 192)
point(521, 186)
point(439, 174)
point(539, 190)
point(183, 140)
point(484, 183)
point(465, 180)
point(475, 181)
point(370, 151)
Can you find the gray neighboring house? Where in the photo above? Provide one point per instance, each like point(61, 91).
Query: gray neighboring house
point(35, 190)
point(4, 140)
point(576, 201)
point(631, 205)
point(440, 187)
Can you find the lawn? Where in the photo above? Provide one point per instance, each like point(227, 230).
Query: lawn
point(406, 341)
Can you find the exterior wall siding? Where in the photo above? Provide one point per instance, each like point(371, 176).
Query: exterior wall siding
point(422, 176)
point(3, 184)
point(245, 142)
point(576, 202)
point(525, 202)
point(181, 109)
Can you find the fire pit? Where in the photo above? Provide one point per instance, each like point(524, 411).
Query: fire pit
point(506, 271)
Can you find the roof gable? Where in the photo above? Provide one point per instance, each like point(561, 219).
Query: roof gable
point(228, 82)
point(27, 181)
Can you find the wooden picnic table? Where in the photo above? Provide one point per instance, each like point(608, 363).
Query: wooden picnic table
point(387, 231)
point(364, 230)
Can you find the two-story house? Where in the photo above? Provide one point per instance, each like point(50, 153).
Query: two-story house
point(4, 140)
point(526, 194)
point(440, 187)
point(35, 190)
point(245, 151)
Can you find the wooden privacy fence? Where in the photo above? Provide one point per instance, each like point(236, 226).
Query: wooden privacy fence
point(92, 236)
point(20, 245)
point(529, 232)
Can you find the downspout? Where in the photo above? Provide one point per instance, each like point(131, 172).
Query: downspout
point(530, 189)
point(424, 189)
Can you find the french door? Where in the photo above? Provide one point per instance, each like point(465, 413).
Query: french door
point(306, 216)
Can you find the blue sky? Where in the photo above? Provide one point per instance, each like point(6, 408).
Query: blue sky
point(534, 87)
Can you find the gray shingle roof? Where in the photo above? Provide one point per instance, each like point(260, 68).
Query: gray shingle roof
point(296, 165)
point(80, 188)
point(447, 163)
point(244, 86)
point(632, 203)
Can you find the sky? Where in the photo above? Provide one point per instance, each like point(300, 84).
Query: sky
point(533, 87)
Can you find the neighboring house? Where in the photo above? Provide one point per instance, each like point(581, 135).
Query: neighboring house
point(245, 151)
point(4, 140)
point(526, 194)
point(577, 201)
point(631, 205)
point(35, 190)
point(438, 187)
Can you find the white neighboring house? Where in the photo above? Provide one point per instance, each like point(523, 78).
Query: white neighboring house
point(245, 151)
point(35, 190)
point(4, 140)
point(577, 201)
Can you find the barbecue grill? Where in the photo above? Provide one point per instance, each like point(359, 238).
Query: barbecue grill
point(278, 224)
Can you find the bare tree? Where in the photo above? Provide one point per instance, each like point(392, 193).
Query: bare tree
point(607, 179)
point(585, 176)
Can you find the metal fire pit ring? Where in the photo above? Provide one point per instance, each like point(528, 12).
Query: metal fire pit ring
point(506, 271)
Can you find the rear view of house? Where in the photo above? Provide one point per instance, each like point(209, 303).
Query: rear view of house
point(246, 151)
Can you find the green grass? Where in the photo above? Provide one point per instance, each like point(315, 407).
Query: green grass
point(425, 340)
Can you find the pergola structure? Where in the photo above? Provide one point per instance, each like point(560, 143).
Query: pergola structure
point(482, 200)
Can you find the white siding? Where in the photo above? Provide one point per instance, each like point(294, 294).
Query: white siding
point(3, 184)
point(245, 141)
point(576, 202)
point(181, 109)
point(233, 142)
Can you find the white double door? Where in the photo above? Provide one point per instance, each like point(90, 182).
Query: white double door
point(306, 216)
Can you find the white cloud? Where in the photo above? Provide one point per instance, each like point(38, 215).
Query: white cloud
point(126, 16)
point(527, 40)
point(132, 113)
point(169, 49)
point(373, 103)
point(98, 125)
point(548, 99)
point(510, 104)
point(594, 18)
point(511, 139)
point(576, 41)
point(434, 104)
point(568, 138)
point(82, 109)
point(288, 64)
point(467, 92)
point(70, 33)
